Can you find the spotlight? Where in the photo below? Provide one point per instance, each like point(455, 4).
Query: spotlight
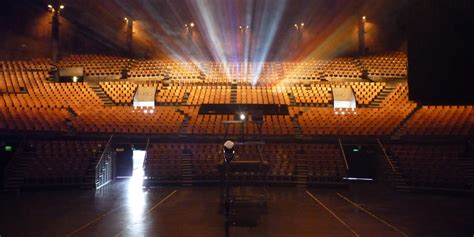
point(125, 19)
point(50, 6)
point(75, 78)
point(364, 18)
point(247, 27)
point(191, 24)
point(145, 111)
point(151, 111)
point(302, 24)
point(296, 26)
point(242, 116)
point(61, 7)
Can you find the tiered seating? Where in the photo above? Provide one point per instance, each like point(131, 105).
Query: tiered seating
point(213, 124)
point(282, 161)
point(366, 92)
point(147, 68)
point(207, 94)
point(120, 92)
point(163, 161)
point(302, 71)
point(340, 68)
point(33, 119)
point(365, 121)
point(62, 162)
point(183, 70)
point(325, 162)
point(172, 94)
point(388, 65)
point(55, 95)
point(311, 93)
point(205, 157)
point(441, 121)
point(96, 65)
point(261, 95)
point(433, 165)
point(162, 120)
point(18, 76)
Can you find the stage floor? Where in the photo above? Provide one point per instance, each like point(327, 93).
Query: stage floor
point(124, 209)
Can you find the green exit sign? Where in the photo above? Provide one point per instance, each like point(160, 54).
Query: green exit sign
point(8, 148)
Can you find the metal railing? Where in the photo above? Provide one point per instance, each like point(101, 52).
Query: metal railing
point(103, 169)
point(385, 154)
point(343, 154)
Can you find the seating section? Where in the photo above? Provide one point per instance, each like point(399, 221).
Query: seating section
point(441, 121)
point(19, 76)
point(388, 65)
point(325, 162)
point(61, 162)
point(119, 92)
point(365, 121)
point(312, 93)
point(161, 120)
point(261, 95)
point(163, 161)
point(97, 65)
point(433, 165)
point(33, 119)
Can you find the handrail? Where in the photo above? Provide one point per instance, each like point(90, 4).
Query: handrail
point(146, 153)
point(104, 151)
point(385, 154)
point(343, 153)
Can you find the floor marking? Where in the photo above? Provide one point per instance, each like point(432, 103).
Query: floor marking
point(372, 215)
point(93, 221)
point(332, 213)
point(148, 212)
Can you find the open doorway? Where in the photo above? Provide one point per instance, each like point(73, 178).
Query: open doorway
point(137, 167)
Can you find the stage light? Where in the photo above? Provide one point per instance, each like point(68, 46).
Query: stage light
point(296, 26)
point(125, 19)
point(191, 24)
point(242, 116)
point(151, 111)
point(61, 7)
point(145, 111)
point(364, 18)
point(75, 78)
point(343, 112)
point(302, 24)
point(50, 6)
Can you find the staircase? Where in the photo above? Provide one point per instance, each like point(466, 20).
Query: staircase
point(296, 126)
point(233, 92)
point(398, 131)
point(101, 94)
point(395, 176)
point(292, 99)
point(301, 171)
point(183, 128)
point(17, 168)
point(381, 97)
point(185, 98)
point(186, 170)
point(361, 68)
point(89, 178)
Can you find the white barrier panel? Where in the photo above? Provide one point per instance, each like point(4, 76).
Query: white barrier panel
point(145, 96)
point(343, 98)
